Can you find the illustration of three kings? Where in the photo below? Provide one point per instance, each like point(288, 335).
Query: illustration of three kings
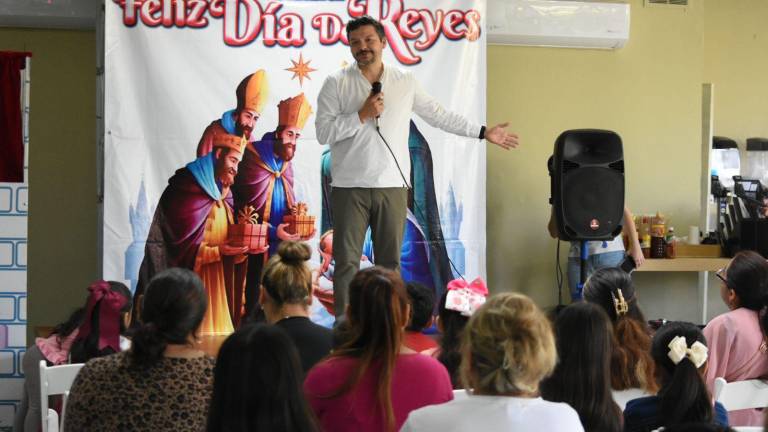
point(232, 171)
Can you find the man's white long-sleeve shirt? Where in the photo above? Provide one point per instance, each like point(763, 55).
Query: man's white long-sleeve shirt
point(359, 157)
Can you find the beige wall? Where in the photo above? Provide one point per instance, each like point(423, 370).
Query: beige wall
point(736, 60)
point(649, 92)
point(62, 257)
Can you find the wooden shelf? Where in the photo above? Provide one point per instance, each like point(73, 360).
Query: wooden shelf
point(683, 264)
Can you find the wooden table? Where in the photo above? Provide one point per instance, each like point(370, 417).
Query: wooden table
point(684, 264)
point(700, 265)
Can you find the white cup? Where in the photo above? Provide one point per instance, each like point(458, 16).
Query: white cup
point(693, 235)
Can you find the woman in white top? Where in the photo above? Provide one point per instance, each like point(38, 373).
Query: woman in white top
point(508, 349)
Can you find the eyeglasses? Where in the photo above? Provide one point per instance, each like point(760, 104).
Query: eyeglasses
point(720, 276)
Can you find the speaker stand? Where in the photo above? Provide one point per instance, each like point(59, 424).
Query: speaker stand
point(583, 257)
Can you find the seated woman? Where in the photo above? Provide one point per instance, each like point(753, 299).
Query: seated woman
point(286, 294)
point(257, 384)
point(631, 364)
point(582, 378)
point(372, 381)
point(81, 337)
point(680, 352)
point(509, 348)
point(737, 340)
point(163, 383)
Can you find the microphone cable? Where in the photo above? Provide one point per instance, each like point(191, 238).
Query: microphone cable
point(415, 206)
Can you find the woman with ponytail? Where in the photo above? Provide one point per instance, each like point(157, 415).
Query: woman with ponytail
point(582, 378)
point(679, 350)
point(163, 383)
point(93, 330)
point(737, 338)
point(372, 381)
point(507, 349)
point(632, 374)
point(286, 295)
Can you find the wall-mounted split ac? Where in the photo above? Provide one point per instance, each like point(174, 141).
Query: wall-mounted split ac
point(558, 23)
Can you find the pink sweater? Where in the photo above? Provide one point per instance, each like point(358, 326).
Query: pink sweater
point(736, 353)
point(417, 381)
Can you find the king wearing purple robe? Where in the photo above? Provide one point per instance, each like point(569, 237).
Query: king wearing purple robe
point(265, 181)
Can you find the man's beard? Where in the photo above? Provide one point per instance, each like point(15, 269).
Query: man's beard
point(240, 129)
point(368, 60)
point(284, 151)
point(227, 178)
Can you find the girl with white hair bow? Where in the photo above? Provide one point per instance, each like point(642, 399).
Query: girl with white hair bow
point(680, 352)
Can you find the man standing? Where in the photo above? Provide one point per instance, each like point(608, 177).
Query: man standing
point(369, 174)
point(265, 181)
point(251, 95)
point(190, 227)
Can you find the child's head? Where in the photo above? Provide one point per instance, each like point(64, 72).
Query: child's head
point(106, 316)
point(422, 304)
point(679, 350)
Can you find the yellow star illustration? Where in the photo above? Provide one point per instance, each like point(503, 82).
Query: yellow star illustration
point(301, 69)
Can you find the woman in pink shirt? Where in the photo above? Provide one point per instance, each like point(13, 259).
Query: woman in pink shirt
point(737, 344)
point(373, 381)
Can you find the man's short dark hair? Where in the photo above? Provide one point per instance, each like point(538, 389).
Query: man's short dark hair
point(422, 305)
point(365, 20)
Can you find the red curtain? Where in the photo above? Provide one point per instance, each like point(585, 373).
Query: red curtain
point(11, 144)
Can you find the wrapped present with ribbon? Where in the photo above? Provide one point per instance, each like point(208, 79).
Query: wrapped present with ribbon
point(299, 222)
point(248, 231)
point(465, 297)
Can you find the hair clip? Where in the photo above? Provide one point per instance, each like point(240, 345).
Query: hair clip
point(619, 304)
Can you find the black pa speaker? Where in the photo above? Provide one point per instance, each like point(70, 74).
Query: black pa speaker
point(587, 171)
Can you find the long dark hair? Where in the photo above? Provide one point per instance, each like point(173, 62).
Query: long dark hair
point(65, 328)
point(582, 376)
point(173, 308)
point(86, 348)
point(452, 324)
point(257, 384)
point(747, 275)
point(378, 311)
point(631, 363)
point(683, 394)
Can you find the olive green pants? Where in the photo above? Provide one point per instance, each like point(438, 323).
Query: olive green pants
point(354, 209)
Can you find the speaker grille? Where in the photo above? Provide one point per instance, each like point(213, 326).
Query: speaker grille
point(591, 195)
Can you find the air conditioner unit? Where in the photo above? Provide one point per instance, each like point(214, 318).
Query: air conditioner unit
point(558, 23)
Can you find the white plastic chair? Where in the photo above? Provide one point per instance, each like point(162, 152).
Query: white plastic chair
point(740, 395)
point(55, 380)
point(460, 394)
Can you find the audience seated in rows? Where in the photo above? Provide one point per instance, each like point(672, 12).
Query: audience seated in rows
point(93, 330)
point(508, 349)
point(422, 300)
point(737, 342)
point(371, 382)
point(680, 352)
point(163, 383)
point(632, 368)
point(257, 384)
point(582, 378)
point(286, 295)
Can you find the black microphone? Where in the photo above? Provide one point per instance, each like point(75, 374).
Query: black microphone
point(376, 89)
